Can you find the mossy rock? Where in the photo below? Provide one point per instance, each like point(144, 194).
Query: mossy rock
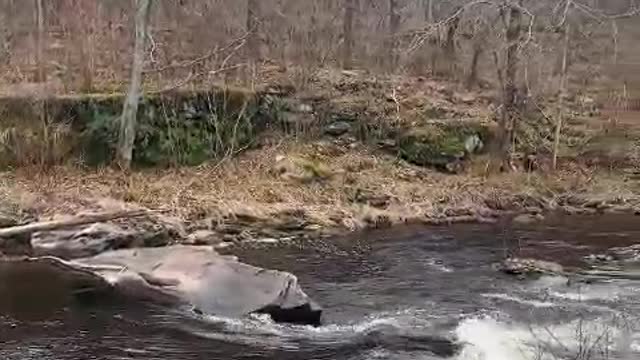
point(443, 146)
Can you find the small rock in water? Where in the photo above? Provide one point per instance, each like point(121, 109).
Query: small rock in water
point(521, 266)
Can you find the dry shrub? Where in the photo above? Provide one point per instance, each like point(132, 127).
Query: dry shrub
point(47, 146)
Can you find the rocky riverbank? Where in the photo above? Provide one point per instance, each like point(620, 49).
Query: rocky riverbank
point(351, 152)
point(246, 201)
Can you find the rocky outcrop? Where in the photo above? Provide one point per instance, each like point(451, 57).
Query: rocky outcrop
point(90, 240)
point(178, 275)
point(443, 146)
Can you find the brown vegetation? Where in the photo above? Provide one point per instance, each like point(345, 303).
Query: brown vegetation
point(344, 83)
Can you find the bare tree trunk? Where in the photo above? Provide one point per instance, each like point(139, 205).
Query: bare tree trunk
point(614, 25)
point(130, 109)
point(478, 50)
point(394, 26)
point(563, 90)
point(509, 102)
point(253, 29)
point(349, 14)
point(41, 73)
point(450, 43)
point(428, 11)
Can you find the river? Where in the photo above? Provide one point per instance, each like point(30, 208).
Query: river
point(403, 293)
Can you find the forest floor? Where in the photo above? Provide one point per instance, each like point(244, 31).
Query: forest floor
point(306, 186)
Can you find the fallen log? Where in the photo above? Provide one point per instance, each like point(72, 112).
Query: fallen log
point(29, 229)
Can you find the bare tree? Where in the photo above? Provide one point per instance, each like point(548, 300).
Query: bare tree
point(130, 109)
point(347, 52)
point(253, 29)
point(428, 11)
point(478, 49)
point(40, 34)
point(562, 94)
point(509, 114)
point(394, 26)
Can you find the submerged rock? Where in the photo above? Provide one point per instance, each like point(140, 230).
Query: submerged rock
point(178, 275)
point(529, 267)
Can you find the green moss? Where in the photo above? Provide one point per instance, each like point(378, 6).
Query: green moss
point(179, 128)
point(439, 145)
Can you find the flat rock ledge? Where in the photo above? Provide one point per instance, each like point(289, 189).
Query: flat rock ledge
point(192, 276)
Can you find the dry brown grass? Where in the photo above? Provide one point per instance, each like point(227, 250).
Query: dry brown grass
point(248, 185)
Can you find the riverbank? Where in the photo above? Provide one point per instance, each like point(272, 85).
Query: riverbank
point(265, 194)
point(349, 152)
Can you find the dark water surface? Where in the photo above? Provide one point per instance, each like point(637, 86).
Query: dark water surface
point(404, 293)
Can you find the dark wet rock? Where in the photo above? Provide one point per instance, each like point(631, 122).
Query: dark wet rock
point(197, 277)
point(338, 128)
point(14, 245)
point(529, 267)
point(94, 239)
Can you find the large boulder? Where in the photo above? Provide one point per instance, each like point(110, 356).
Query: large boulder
point(194, 276)
point(443, 146)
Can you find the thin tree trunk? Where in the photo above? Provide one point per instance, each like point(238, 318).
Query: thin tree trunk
point(614, 25)
point(450, 43)
point(563, 90)
point(509, 106)
point(472, 80)
point(253, 29)
point(41, 73)
point(130, 109)
point(347, 52)
point(394, 27)
point(428, 11)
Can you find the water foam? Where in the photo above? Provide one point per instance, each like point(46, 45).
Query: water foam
point(261, 330)
point(486, 338)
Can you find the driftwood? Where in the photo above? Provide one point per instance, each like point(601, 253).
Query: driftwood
point(70, 222)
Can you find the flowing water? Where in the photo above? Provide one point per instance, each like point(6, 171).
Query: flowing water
point(404, 293)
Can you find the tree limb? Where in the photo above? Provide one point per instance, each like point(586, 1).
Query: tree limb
point(71, 222)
